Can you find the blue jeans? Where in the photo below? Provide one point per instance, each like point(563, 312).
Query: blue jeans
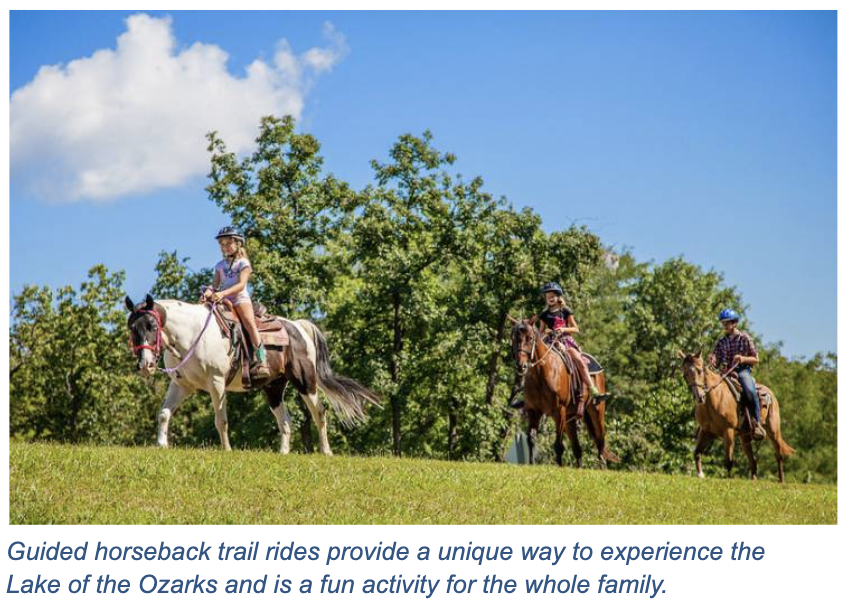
point(744, 373)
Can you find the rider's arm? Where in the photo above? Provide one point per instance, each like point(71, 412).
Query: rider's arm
point(210, 290)
point(572, 328)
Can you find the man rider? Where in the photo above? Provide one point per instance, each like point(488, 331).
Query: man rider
point(737, 348)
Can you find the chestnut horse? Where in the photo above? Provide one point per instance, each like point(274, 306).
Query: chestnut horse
point(547, 390)
point(717, 417)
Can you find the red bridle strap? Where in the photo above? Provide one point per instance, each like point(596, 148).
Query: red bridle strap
point(156, 349)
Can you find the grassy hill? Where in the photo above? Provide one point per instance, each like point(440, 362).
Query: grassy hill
point(83, 484)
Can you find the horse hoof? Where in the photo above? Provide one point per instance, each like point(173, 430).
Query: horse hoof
point(701, 475)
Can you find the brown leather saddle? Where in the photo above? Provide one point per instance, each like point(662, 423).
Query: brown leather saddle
point(271, 329)
point(765, 395)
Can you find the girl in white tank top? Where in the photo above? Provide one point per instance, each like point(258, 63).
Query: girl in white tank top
point(231, 276)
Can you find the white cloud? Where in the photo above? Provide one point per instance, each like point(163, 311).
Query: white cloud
point(134, 118)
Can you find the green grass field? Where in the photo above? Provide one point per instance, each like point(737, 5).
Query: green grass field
point(82, 484)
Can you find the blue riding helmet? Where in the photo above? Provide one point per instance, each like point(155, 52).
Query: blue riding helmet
point(228, 231)
point(551, 287)
point(729, 314)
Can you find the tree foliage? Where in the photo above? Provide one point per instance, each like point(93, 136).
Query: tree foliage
point(412, 279)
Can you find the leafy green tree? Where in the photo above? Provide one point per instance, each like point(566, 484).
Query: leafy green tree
point(71, 375)
point(288, 210)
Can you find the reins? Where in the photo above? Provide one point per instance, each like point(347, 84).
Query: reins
point(707, 389)
point(531, 354)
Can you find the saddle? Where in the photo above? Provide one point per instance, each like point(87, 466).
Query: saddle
point(593, 366)
point(765, 395)
point(271, 330)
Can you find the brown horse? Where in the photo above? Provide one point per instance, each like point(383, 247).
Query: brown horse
point(548, 392)
point(717, 417)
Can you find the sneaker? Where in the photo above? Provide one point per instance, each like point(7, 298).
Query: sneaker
point(598, 396)
point(515, 401)
point(260, 370)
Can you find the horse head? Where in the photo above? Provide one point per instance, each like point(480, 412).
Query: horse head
point(693, 370)
point(146, 322)
point(523, 339)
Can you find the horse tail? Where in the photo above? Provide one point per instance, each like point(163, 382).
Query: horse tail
point(610, 456)
point(347, 396)
point(784, 449)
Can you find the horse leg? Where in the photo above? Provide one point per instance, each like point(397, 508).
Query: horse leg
point(728, 441)
point(703, 443)
point(318, 414)
point(176, 394)
point(275, 392)
point(217, 391)
point(594, 428)
point(572, 423)
point(746, 444)
point(559, 437)
point(532, 437)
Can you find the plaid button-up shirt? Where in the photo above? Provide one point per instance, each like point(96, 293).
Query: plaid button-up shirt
point(731, 345)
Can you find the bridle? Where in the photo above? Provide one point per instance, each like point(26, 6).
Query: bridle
point(704, 386)
point(531, 354)
point(157, 347)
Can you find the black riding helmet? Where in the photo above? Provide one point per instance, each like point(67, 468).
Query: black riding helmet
point(228, 231)
point(552, 287)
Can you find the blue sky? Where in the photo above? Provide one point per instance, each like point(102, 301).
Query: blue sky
point(707, 135)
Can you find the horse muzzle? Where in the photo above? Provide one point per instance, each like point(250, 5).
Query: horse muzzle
point(146, 364)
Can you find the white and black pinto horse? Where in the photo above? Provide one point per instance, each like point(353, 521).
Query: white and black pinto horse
point(195, 346)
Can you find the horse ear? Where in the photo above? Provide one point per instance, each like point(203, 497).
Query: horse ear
point(511, 319)
point(129, 304)
point(680, 355)
point(149, 301)
point(697, 354)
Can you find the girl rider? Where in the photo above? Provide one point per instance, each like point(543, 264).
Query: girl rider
point(558, 325)
point(230, 282)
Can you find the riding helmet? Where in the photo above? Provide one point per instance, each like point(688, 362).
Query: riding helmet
point(228, 231)
point(729, 314)
point(551, 287)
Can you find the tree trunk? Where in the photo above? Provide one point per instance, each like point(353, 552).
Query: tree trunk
point(503, 436)
point(396, 405)
point(452, 430)
point(493, 365)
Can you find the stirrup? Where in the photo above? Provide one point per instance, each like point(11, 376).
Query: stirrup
point(259, 370)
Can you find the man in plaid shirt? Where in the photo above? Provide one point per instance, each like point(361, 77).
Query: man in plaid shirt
point(736, 348)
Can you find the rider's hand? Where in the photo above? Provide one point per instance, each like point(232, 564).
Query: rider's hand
point(215, 297)
point(738, 359)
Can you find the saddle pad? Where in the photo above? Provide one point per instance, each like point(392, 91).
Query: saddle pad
point(593, 366)
point(271, 328)
point(765, 395)
point(276, 338)
point(269, 325)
